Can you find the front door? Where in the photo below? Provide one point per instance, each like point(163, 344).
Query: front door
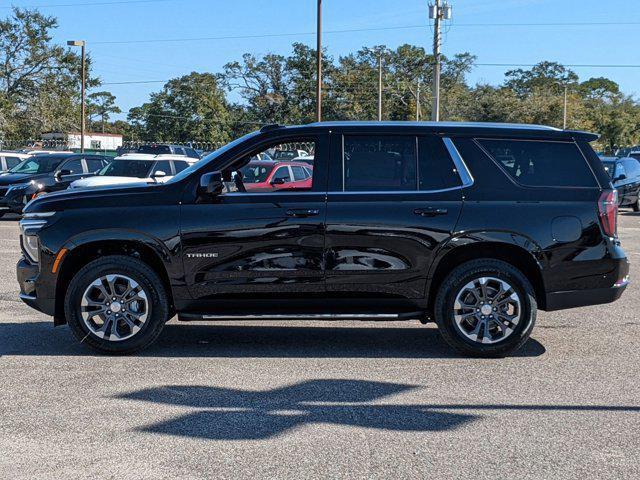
point(250, 245)
point(393, 200)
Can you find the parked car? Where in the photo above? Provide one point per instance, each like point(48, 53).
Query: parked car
point(167, 149)
point(625, 175)
point(40, 174)
point(137, 167)
point(265, 176)
point(8, 160)
point(473, 226)
point(281, 155)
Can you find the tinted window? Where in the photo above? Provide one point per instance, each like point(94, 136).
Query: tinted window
point(191, 153)
point(127, 168)
point(298, 173)
point(163, 166)
point(38, 164)
point(94, 164)
point(180, 166)
point(282, 172)
point(542, 163)
point(609, 167)
point(154, 149)
point(632, 167)
point(12, 161)
point(255, 173)
point(436, 170)
point(73, 166)
point(377, 163)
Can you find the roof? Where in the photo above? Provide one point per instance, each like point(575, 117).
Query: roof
point(151, 157)
point(461, 127)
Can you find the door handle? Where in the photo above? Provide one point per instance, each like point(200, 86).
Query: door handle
point(303, 212)
point(430, 211)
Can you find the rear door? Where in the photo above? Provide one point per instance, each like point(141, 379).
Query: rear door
point(393, 200)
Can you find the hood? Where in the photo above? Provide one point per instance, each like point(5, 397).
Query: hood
point(104, 181)
point(7, 179)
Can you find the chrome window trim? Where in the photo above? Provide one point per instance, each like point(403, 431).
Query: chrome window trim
point(461, 168)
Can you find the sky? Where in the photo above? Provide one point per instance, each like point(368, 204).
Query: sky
point(134, 40)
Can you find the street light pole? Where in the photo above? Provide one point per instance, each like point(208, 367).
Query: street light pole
point(82, 43)
point(438, 13)
point(319, 65)
point(564, 115)
point(380, 87)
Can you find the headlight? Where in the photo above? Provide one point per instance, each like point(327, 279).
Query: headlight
point(30, 225)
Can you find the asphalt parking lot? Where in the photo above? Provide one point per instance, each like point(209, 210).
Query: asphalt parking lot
point(321, 400)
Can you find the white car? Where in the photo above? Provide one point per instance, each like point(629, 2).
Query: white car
point(8, 160)
point(137, 168)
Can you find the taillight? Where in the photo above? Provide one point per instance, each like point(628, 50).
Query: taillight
point(608, 210)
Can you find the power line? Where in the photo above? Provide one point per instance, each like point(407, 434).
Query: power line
point(92, 4)
point(355, 30)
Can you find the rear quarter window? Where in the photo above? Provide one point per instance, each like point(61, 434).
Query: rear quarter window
point(539, 163)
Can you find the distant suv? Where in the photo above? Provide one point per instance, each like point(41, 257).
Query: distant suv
point(136, 167)
point(625, 175)
point(38, 174)
point(473, 226)
point(166, 149)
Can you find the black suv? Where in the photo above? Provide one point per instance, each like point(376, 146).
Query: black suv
point(166, 149)
point(40, 174)
point(473, 226)
point(625, 175)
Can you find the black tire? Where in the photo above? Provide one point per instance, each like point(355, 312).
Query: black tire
point(636, 205)
point(455, 282)
point(140, 273)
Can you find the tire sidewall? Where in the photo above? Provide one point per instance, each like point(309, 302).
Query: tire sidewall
point(136, 270)
point(460, 277)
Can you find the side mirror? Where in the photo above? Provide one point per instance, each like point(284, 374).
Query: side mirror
point(159, 174)
point(211, 183)
point(278, 181)
point(61, 173)
point(620, 177)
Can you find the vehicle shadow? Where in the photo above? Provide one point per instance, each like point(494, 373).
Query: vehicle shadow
point(10, 217)
point(234, 414)
point(215, 340)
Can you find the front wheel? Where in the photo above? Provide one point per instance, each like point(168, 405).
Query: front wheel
point(116, 305)
point(485, 308)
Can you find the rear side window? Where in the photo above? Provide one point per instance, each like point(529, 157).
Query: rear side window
point(379, 163)
point(12, 161)
point(180, 166)
point(435, 168)
point(541, 163)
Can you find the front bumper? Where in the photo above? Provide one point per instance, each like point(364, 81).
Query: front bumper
point(28, 275)
point(594, 296)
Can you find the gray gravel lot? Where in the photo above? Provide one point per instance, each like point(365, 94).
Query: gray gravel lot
point(321, 400)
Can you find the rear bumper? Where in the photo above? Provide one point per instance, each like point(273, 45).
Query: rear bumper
point(595, 296)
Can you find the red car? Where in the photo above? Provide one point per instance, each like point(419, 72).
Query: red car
point(268, 176)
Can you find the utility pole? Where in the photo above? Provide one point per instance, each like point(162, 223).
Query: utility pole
point(438, 13)
point(82, 43)
point(319, 65)
point(564, 116)
point(418, 102)
point(380, 87)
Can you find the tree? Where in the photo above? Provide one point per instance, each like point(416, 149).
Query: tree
point(39, 81)
point(189, 108)
point(102, 105)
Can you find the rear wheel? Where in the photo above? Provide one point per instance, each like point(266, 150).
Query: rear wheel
point(636, 205)
point(486, 308)
point(116, 305)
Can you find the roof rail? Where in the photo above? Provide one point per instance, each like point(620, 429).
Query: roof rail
point(271, 126)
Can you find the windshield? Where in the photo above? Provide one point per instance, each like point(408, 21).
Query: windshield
point(609, 167)
point(39, 164)
point(127, 168)
point(211, 158)
point(255, 173)
point(155, 149)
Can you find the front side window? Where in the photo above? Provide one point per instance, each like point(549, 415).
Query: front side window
point(163, 166)
point(12, 161)
point(38, 164)
point(379, 163)
point(73, 167)
point(539, 163)
point(269, 170)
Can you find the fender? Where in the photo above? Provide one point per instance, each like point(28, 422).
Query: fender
point(489, 237)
